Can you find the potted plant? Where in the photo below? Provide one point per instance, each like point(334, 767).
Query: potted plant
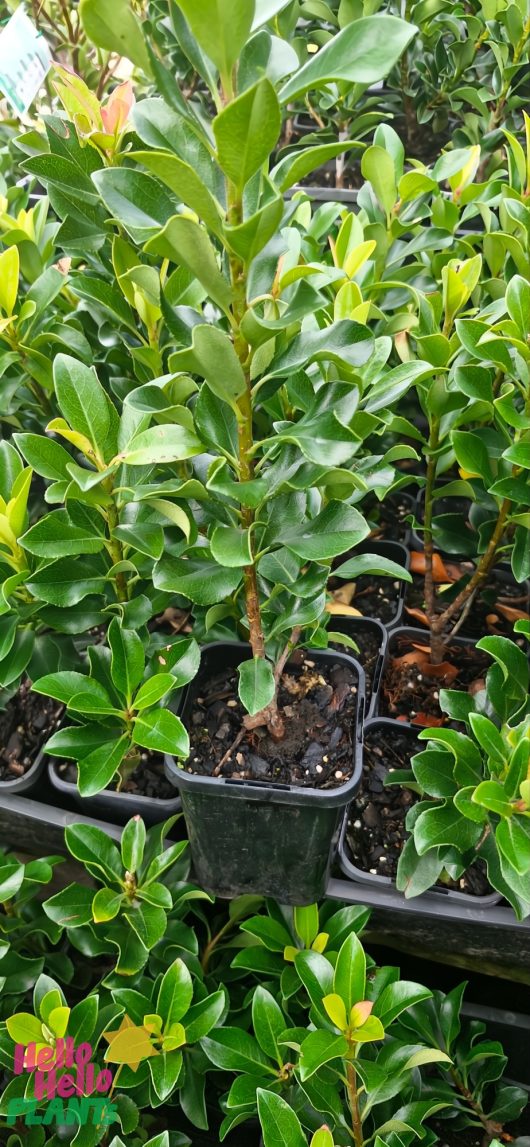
point(243, 360)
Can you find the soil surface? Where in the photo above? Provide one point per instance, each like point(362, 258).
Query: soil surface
point(25, 724)
point(388, 518)
point(376, 833)
point(372, 596)
point(319, 706)
point(494, 610)
point(411, 686)
point(148, 779)
point(369, 643)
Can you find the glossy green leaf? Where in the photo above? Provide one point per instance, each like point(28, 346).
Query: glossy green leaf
point(162, 731)
point(133, 840)
point(186, 243)
point(246, 132)
point(362, 53)
point(279, 1123)
point(256, 684)
point(175, 993)
point(350, 972)
point(115, 28)
point(127, 658)
point(98, 768)
point(182, 178)
point(220, 31)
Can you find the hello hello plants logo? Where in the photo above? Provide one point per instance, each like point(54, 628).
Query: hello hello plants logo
point(64, 1086)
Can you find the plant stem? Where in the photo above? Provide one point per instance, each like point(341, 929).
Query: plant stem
point(428, 512)
point(116, 551)
point(484, 567)
point(491, 1127)
point(353, 1098)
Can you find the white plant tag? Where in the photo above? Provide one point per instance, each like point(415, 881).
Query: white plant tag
point(25, 60)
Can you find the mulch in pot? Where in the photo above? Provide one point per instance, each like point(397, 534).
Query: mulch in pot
point(411, 684)
point(376, 831)
point(25, 724)
point(318, 704)
point(148, 779)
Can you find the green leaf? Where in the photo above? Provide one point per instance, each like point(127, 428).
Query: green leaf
point(350, 972)
point(231, 546)
point(93, 848)
point(445, 825)
point(396, 998)
point(344, 342)
point(212, 355)
point(162, 731)
point(246, 131)
point(235, 1050)
point(76, 741)
point(65, 582)
point(472, 454)
point(256, 684)
point(46, 457)
point(149, 923)
point(518, 455)
point(319, 1048)
point(161, 444)
point(491, 795)
point(220, 32)
point(518, 303)
point(415, 873)
point(187, 244)
point(488, 737)
point(297, 164)
point(203, 581)
point(335, 529)
point(377, 166)
point(306, 923)
point(24, 1028)
point(135, 200)
point(316, 974)
point(182, 178)
point(106, 905)
point(362, 53)
point(97, 769)
point(513, 841)
point(115, 28)
point(127, 658)
point(152, 691)
point(72, 907)
point(202, 1017)
point(175, 993)
point(85, 405)
point(280, 1125)
point(371, 564)
point(268, 1022)
point(133, 840)
point(62, 534)
point(512, 660)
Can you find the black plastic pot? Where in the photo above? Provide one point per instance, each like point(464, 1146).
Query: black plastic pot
point(352, 626)
point(260, 837)
point(403, 532)
point(409, 633)
point(28, 783)
point(116, 808)
point(360, 876)
point(38, 827)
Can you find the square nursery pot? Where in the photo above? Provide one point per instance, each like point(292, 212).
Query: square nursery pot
point(272, 839)
point(379, 881)
point(371, 655)
point(30, 782)
point(406, 635)
point(113, 807)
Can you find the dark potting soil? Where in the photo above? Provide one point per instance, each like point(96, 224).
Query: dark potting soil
point(368, 644)
point(25, 724)
point(494, 609)
point(411, 685)
point(318, 705)
point(388, 519)
point(377, 833)
point(148, 779)
point(373, 596)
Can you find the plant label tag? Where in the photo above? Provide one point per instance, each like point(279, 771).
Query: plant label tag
point(25, 60)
